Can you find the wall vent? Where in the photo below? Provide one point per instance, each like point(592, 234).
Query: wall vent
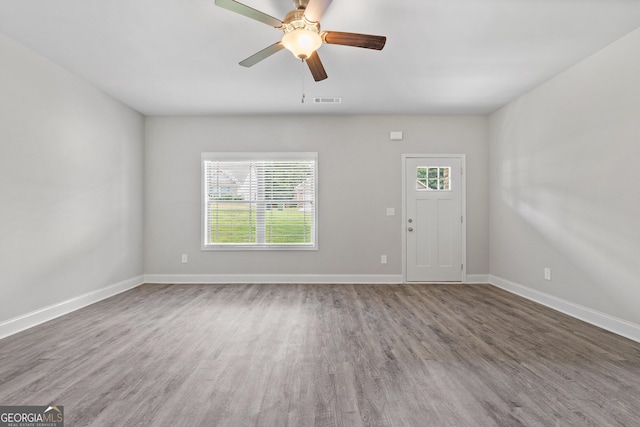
point(327, 100)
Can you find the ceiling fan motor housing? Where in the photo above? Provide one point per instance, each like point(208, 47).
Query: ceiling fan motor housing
point(296, 19)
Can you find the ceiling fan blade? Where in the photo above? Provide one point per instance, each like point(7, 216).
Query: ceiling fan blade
point(263, 54)
point(352, 39)
point(249, 12)
point(316, 9)
point(316, 67)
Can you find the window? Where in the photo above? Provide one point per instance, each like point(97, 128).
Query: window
point(259, 200)
point(434, 178)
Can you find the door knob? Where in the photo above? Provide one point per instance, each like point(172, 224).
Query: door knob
point(410, 228)
point(410, 220)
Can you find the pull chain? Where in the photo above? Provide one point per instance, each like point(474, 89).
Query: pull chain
point(302, 75)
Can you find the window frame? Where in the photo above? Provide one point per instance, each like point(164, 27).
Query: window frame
point(257, 156)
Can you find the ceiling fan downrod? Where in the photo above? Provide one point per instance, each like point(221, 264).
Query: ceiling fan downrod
point(300, 4)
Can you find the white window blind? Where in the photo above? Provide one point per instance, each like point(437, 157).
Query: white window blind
point(259, 200)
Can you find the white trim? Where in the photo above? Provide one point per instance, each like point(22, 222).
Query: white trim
point(273, 278)
point(463, 181)
point(29, 320)
point(589, 315)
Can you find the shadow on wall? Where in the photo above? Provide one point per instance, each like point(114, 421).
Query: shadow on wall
point(568, 190)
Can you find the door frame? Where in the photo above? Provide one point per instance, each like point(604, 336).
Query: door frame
point(463, 183)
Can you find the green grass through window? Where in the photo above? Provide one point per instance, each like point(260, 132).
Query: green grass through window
point(236, 223)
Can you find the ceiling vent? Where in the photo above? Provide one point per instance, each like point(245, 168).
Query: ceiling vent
point(327, 100)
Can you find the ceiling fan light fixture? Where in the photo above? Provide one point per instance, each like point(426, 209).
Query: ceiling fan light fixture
point(302, 42)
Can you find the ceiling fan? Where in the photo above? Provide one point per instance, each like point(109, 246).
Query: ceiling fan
point(302, 34)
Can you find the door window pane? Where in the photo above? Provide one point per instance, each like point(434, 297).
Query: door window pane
point(432, 178)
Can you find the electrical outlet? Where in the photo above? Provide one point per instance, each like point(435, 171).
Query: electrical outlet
point(383, 259)
point(185, 259)
point(547, 273)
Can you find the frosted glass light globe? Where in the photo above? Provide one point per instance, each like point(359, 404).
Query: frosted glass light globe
point(301, 42)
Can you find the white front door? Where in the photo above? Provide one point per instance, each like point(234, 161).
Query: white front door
point(433, 219)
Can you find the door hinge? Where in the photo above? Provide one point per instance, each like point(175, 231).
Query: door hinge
point(461, 171)
point(461, 219)
point(461, 267)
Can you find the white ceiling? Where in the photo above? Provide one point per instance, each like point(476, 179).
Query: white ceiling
point(180, 57)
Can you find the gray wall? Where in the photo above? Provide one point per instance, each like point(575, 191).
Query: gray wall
point(71, 182)
point(557, 170)
point(564, 184)
point(359, 177)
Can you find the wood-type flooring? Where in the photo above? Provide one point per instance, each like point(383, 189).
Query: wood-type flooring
point(323, 355)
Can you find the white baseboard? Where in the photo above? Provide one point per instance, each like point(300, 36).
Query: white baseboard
point(289, 278)
point(29, 320)
point(273, 278)
point(594, 317)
